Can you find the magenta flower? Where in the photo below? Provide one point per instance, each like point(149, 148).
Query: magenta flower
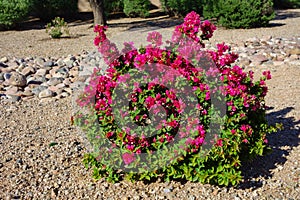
point(155, 38)
point(109, 134)
point(245, 141)
point(128, 158)
point(267, 74)
point(150, 101)
point(99, 28)
point(130, 147)
point(219, 143)
point(207, 29)
point(101, 37)
point(244, 128)
point(140, 60)
point(129, 48)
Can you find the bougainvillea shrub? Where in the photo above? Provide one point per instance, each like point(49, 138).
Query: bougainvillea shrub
point(176, 112)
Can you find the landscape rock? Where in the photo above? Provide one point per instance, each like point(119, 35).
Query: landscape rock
point(294, 51)
point(11, 90)
point(55, 80)
point(16, 79)
point(41, 72)
point(48, 64)
point(3, 65)
point(38, 89)
point(46, 93)
point(12, 98)
point(4, 60)
point(2, 76)
point(6, 76)
point(258, 58)
point(27, 71)
point(26, 93)
point(40, 61)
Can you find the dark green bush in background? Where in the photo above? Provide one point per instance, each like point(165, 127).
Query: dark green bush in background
point(182, 7)
point(48, 9)
point(239, 13)
point(137, 8)
point(113, 6)
point(12, 11)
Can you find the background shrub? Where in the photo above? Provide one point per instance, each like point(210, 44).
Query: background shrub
point(181, 7)
point(113, 6)
point(282, 4)
point(137, 8)
point(239, 13)
point(12, 11)
point(48, 9)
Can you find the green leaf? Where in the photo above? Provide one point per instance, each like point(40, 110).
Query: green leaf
point(53, 144)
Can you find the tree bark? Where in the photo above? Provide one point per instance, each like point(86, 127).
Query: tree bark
point(98, 12)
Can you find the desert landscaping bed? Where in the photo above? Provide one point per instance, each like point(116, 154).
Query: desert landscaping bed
point(41, 151)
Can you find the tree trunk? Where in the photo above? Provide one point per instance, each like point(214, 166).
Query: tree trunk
point(98, 11)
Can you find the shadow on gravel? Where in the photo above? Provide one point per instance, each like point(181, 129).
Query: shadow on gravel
point(281, 142)
point(157, 18)
point(161, 22)
point(285, 14)
point(282, 15)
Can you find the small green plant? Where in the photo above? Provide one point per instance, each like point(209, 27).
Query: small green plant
point(57, 28)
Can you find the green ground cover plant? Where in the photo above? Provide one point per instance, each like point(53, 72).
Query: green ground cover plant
point(57, 27)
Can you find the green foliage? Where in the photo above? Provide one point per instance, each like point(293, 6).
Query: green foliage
point(181, 7)
point(240, 13)
point(282, 4)
point(57, 27)
point(48, 9)
point(113, 6)
point(220, 167)
point(137, 8)
point(12, 11)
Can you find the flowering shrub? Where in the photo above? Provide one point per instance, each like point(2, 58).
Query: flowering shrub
point(178, 112)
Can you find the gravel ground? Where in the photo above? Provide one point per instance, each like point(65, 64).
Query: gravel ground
point(41, 152)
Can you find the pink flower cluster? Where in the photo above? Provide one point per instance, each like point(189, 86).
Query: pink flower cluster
point(237, 83)
point(101, 37)
point(192, 26)
point(155, 38)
